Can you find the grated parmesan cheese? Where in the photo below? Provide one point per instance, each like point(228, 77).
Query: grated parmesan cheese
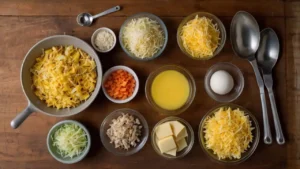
point(200, 37)
point(228, 133)
point(143, 37)
point(104, 40)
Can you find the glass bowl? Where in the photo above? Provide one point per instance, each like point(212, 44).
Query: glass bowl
point(238, 79)
point(53, 149)
point(190, 138)
point(106, 141)
point(253, 144)
point(215, 20)
point(190, 99)
point(153, 17)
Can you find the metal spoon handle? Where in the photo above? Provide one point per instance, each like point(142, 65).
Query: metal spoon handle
point(267, 132)
point(111, 10)
point(279, 134)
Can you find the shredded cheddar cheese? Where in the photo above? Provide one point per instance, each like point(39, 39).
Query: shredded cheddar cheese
point(64, 76)
point(228, 133)
point(200, 37)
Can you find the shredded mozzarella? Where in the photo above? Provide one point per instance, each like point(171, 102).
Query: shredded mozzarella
point(143, 37)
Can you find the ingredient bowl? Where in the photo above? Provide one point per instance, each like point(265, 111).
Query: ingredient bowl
point(106, 124)
point(34, 103)
point(190, 138)
point(129, 70)
point(238, 79)
point(191, 84)
point(215, 20)
point(53, 149)
point(252, 146)
point(152, 17)
point(94, 37)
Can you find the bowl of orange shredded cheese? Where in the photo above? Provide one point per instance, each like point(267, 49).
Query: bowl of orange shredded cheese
point(229, 134)
point(120, 84)
point(201, 36)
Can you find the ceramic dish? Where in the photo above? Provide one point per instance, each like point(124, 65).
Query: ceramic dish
point(108, 120)
point(153, 17)
point(190, 99)
point(190, 138)
point(238, 79)
point(253, 145)
point(129, 70)
point(216, 21)
point(34, 103)
point(95, 35)
point(53, 150)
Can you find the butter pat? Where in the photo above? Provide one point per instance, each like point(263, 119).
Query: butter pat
point(181, 144)
point(182, 135)
point(177, 127)
point(164, 130)
point(166, 144)
point(172, 152)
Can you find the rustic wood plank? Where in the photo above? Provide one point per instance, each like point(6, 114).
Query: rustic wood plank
point(158, 7)
point(293, 92)
point(25, 147)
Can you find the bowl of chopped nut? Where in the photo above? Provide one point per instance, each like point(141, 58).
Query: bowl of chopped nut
point(124, 132)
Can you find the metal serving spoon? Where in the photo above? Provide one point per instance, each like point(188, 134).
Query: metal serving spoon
point(267, 56)
point(86, 19)
point(245, 37)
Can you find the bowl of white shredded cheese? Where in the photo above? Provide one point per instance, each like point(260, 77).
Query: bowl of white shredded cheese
point(143, 36)
point(103, 40)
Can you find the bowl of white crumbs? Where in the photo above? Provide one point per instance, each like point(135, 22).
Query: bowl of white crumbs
point(124, 132)
point(103, 40)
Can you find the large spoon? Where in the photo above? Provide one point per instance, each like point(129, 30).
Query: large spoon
point(86, 19)
point(267, 56)
point(245, 37)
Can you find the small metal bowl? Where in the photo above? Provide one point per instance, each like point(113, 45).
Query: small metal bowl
point(106, 141)
point(153, 17)
point(215, 20)
point(190, 138)
point(53, 150)
point(253, 145)
point(238, 79)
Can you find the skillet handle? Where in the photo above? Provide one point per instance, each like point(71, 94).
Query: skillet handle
point(19, 119)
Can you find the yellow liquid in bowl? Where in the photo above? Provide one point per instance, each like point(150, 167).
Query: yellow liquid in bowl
point(170, 90)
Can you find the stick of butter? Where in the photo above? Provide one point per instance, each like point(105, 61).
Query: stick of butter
point(177, 127)
point(172, 152)
point(167, 144)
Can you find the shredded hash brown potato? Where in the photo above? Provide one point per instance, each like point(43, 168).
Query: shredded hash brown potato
point(64, 76)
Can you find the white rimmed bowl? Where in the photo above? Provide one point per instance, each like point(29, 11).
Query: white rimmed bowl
point(129, 70)
point(95, 35)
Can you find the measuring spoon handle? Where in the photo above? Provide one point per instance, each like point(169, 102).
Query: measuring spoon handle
point(260, 82)
point(111, 10)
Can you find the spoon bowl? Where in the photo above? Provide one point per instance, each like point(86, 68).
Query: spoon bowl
point(244, 35)
point(84, 19)
point(268, 52)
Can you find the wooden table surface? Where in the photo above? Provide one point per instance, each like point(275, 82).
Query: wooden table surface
point(23, 23)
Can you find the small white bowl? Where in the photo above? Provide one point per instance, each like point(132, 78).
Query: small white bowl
point(95, 35)
point(129, 70)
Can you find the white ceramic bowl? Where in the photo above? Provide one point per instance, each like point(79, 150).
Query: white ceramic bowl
point(129, 70)
point(95, 35)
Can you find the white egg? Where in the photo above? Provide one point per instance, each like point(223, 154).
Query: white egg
point(221, 82)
